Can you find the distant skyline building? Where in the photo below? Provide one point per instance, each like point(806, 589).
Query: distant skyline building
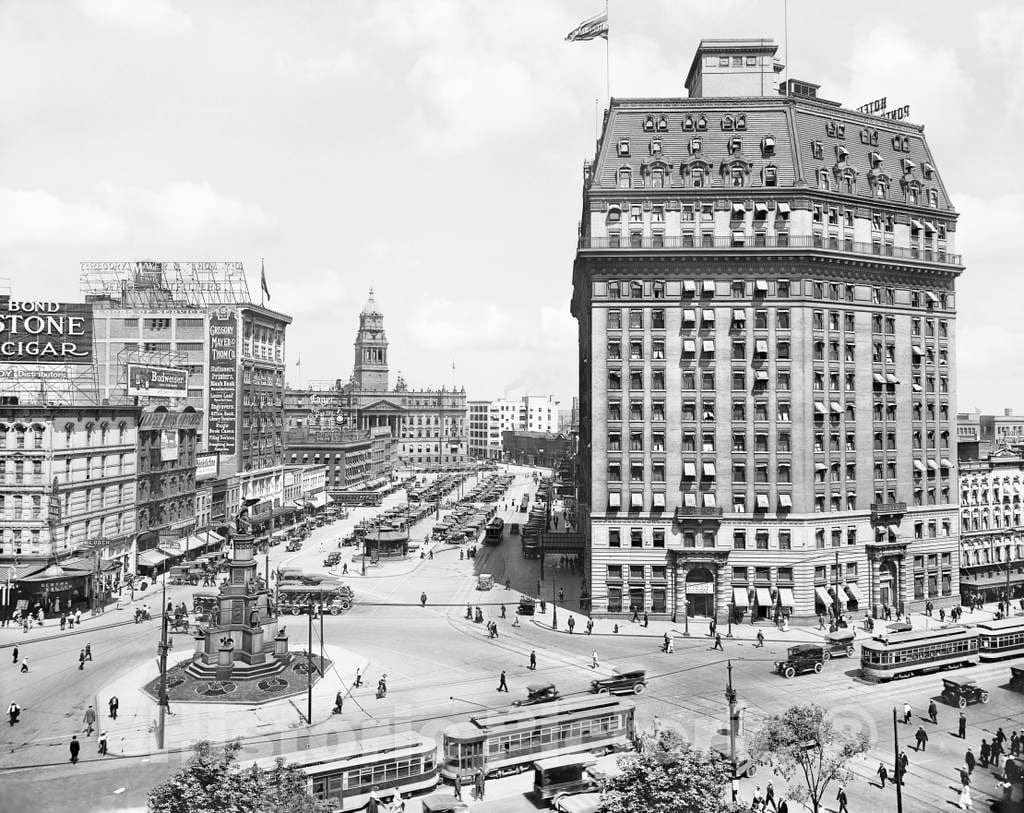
point(490, 420)
point(765, 294)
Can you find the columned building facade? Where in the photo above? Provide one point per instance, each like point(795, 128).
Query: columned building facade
point(765, 292)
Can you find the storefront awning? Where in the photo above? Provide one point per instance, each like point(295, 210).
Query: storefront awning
point(739, 596)
point(614, 499)
point(853, 593)
point(823, 596)
point(764, 597)
point(786, 596)
point(319, 499)
point(151, 558)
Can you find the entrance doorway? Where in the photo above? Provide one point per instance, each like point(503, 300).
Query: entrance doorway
point(887, 584)
point(700, 592)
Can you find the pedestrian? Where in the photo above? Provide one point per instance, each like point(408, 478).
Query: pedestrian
point(962, 726)
point(903, 762)
point(907, 713)
point(423, 599)
point(883, 774)
point(89, 719)
point(757, 802)
point(24, 665)
point(88, 652)
point(965, 800)
point(593, 660)
point(515, 620)
point(985, 753)
point(590, 626)
point(74, 746)
point(997, 751)
point(63, 621)
point(718, 642)
point(933, 712)
point(571, 623)
point(457, 782)
point(712, 627)
point(970, 760)
point(112, 705)
point(647, 620)
point(783, 807)
point(502, 684)
point(508, 583)
point(533, 660)
point(821, 621)
point(615, 629)
point(1001, 736)
point(359, 677)
point(14, 654)
point(760, 639)
point(1014, 743)
point(481, 783)
point(13, 712)
point(503, 611)
point(78, 617)
point(636, 615)
point(922, 739)
point(841, 798)
point(103, 744)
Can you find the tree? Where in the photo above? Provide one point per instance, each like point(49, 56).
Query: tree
point(669, 777)
point(804, 745)
point(212, 782)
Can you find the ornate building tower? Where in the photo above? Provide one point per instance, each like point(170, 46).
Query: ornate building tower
point(370, 371)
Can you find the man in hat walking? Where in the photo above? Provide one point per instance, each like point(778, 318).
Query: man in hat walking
point(74, 747)
point(89, 719)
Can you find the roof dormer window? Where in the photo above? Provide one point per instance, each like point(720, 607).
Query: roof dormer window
point(908, 165)
point(933, 198)
point(655, 146)
point(624, 148)
point(662, 124)
point(697, 177)
point(735, 145)
point(695, 145)
point(767, 146)
point(727, 122)
point(702, 122)
point(688, 123)
point(614, 216)
point(927, 170)
point(625, 178)
point(649, 124)
point(770, 176)
point(875, 160)
point(823, 179)
point(741, 122)
point(736, 176)
point(841, 153)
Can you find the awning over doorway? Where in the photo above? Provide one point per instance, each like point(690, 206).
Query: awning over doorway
point(823, 595)
point(853, 593)
point(786, 596)
point(152, 558)
point(739, 596)
point(764, 597)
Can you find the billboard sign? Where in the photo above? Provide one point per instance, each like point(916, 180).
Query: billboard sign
point(145, 379)
point(168, 445)
point(206, 465)
point(222, 406)
point(45, 332)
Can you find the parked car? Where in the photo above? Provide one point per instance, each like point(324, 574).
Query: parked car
point(485, 581)
point(527, 605)
point(839, 644)
point(961, 692)
point(801, 659)
point(294, 545)
point(332, 559)
point(623, 681)
point(538, 693)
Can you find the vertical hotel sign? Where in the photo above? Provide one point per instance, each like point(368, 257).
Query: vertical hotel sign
point(223, 404)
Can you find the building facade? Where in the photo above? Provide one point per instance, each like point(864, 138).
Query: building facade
point(478, 413)
point(351, 458)
point(765, 291)
point(991, 527)
point(165, 491)
point(544, 449)
point(539, 414)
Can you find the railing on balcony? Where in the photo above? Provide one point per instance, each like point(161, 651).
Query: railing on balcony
point(692, 511)
point(887, 509)
point(756, 241)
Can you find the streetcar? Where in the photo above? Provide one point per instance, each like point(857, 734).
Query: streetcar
point(495, 526)
point(327, 597)
point(885, 657)
point(347, 774)
point(505, 742)
point(1001, 639)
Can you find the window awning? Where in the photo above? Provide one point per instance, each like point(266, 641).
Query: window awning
point(709, 469)
point(786, 596)
point(853, 592)
point(739, 315)
point(738, 207)
point(761, 346)
point(783, 208)
point(659, 499)
point(916, 350)
point(916, 224)
point(879, 378)
point(820, 467)
point(739, 596)
point(764, 597)
point(614, 499)
point(761, 285)
point(689, 346)
point(929, 227)
point(930, 296)
point(762, 501)
point(708, 286)
point(708, 345)
point(689, 285)
point(836, 407)
point(151, 558)
point(819, 407)
point(785, 501)
point(916, 388)
point(760, 375)
point(690, 500)
point(947, 464)
point(709, 501)
point(689, 469)
point(636, 499)
point(894, 530)
point(933, 464)
point(891, 379)
point(823, 596)
point(760, 207)
point(707, 315)
point(919, 465)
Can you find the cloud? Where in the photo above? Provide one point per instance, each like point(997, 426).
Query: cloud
point(159, 16)
point(442, 324)
point(1000, 32)
point(38, 218)
point(317, 69)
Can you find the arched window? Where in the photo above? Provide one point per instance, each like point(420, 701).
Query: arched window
point(614, 215)
point(37, 435)
point(657, 179)
point(122, 431)
point(104, 431)
point(89, 427)
point(69, 431)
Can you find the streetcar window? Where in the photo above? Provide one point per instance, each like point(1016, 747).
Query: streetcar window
point(334, 783)
point(320, 788)
point(428, 763)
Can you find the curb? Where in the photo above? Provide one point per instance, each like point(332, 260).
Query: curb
point(658, 635)
point(68, 633)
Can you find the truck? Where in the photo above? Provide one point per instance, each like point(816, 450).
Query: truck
point(327, 597)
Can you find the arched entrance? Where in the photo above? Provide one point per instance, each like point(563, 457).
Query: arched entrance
point(700, 591)
point(888, 584)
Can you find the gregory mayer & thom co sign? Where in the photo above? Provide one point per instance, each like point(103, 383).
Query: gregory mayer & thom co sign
point(45, 332)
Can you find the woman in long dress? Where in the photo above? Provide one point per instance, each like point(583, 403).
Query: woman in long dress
point(965, 796)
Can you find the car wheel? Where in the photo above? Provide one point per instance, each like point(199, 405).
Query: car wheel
point(789, 671)
point(346, 606)
point(638, 688)
point(817, 668)
point(827, 656)
point(984, 697)
point(335, 610)
point(849, 652)
point(961, 702)
point(296, 611)
point(751, 770)
point(603, 690)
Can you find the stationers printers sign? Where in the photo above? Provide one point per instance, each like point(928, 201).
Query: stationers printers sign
point(45, 332)
point(223, 409)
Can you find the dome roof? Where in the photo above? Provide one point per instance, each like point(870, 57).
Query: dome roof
point(371, 305)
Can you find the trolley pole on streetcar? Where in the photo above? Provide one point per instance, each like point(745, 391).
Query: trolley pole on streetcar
point(730, 695)
point(896, 762)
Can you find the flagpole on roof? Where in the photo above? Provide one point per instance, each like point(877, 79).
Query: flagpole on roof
point(607, 57)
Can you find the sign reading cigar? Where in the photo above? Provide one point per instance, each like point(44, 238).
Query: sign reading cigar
point(45, 332)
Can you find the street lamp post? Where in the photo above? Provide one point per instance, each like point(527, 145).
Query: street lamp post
point(163, 668)
point(732, 605)
point(730, 696)
point(554, 606)
point(686, 618)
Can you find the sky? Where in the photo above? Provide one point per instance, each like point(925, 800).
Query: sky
point(433, 150)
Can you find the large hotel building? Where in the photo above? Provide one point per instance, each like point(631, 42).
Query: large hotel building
point(764, 287)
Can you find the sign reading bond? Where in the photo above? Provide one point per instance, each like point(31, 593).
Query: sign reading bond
point(45, 332)
point(170, 382)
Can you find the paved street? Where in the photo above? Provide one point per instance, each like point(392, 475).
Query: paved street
point(432, 654)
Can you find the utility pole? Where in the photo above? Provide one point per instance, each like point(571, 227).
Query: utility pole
point(730, 695)
point(320, 666)
point(732, 606)
point(162, 702)
point(554, 606)
point(896, 760)
point(309, 669)
point(839, 606)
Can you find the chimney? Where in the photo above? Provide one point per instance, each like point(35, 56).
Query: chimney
point(734, 67)
point(1008, 412)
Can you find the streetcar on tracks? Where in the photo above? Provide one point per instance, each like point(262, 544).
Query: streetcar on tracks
point(1001, 639)
point(897, 655)
point(346, 775)
point(328, 597)
point(495, 526)
point(505, 742)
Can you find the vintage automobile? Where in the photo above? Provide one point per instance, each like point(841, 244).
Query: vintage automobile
point(293, 545)
point(745, 764)
point(527, 605)
point(443, 803)
point(556, 777)
point(332, 559)
point(839, 644)
point(801, 659)
point(485, 581)
point(623, 681)
point(538, 693)
point(961, 692)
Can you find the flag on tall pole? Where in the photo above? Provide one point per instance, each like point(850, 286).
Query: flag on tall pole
point(264, 290)
point(590, 29)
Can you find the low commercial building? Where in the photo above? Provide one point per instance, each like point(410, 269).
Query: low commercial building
point(351, 459)
point(536, 448)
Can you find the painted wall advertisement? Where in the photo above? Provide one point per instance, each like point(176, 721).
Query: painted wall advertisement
point(45, 332)
point(170, 382)
point(223, 407)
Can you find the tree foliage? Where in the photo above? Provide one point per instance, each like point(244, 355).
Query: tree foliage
point(669, 776)
point(212, 782)
point(805, 746)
